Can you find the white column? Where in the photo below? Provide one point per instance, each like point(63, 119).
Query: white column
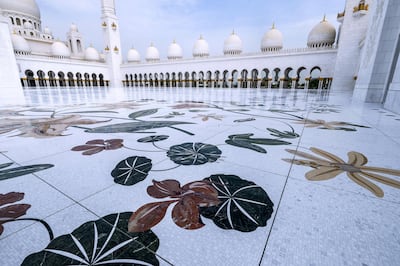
point(112, 41)
point(10, 85)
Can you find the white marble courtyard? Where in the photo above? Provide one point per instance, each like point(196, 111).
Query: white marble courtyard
point(178, 176)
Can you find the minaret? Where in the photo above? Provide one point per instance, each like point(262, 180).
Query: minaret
point(112, 41)
point(75, 41)
point(353, 29)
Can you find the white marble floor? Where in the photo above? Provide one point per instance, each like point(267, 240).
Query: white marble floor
point(205, 176)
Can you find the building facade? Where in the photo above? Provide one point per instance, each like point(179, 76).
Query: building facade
point(347, 58)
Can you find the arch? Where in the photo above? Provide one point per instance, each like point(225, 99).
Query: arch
point(52, 79)
point(225, 79)
point(71, 81)
point(316, 70)
point(61, 79)
point(301, 78)
point(79, 80)
point(173, 77)
point(287, 79)
point(243, 77)
point(201, 79)
point(167, 79)
point(136, 80)
point(156, 82)
point(87, 79)
point(151, 84)
point(216, 78)
point(276, 78)
point(187, 79)
point(18, 21)
point(41, 78)
point(30, 78)
point(94, 80)
point(12, 20)
point(141, 80)
point(161, 79)
point(209, 79)
point(126, 81)
point(101, 80)
point(254, 78)
point(235, 78)
point(180, 78)
point(265, 79)
point(194, 79)
point(315, 75)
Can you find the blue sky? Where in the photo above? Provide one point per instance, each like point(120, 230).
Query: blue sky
point(162, 21)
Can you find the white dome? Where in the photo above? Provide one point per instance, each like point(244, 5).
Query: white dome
point(91, 54)
point(20, 44)
point(200, 48)
point(272, 40)
point(73, 27)
point(152, 54)
point(175, 51)
point(60, 49)
point(133, 55)
point(323, 34)
point(28, 25)
point(47, 30)
point(27, 7)
point(233, 45)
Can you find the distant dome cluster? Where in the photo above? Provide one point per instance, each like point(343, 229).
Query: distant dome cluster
point(322, 35)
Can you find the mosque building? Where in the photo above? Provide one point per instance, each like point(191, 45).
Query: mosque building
point(360, 56)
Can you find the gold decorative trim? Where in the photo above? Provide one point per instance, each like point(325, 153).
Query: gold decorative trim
point(361, 7)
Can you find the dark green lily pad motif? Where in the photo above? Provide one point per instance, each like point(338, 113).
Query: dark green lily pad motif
point(132, 127)
point(153, 138)
point(244, 206)
point(193, 153)
point(102, 242)
point(131, 170)
point(138, 126)
point(245, 141)
point(21, 170)
point(283, 134)
point(141, 113)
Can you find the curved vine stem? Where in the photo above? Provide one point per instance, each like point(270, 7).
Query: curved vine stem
point(158, 147)
point(264, 116)
point(46, 225)
point(139, 150)
point(166, 169)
